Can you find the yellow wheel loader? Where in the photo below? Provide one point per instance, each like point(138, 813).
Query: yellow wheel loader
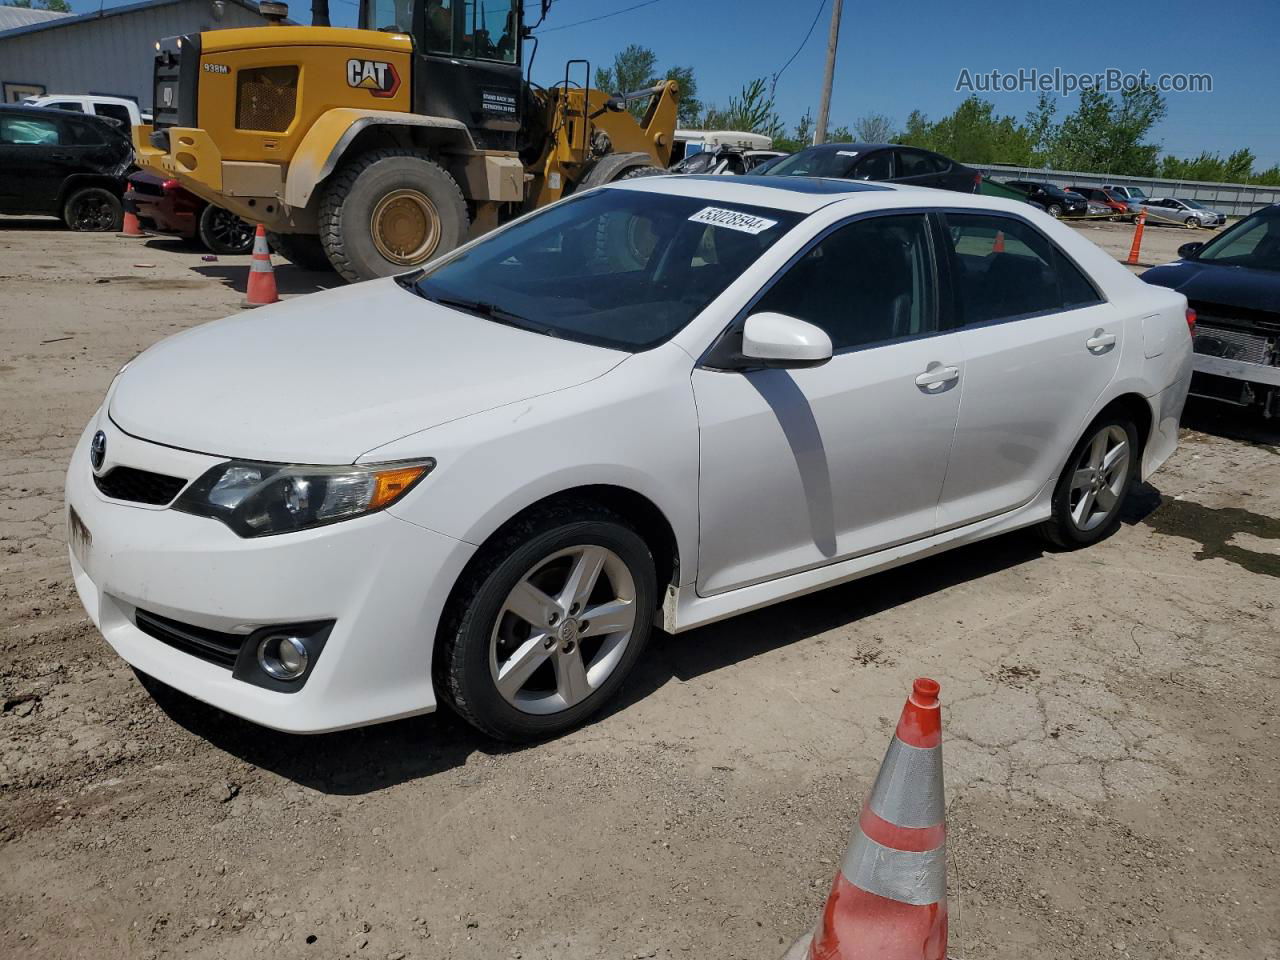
point(375, 150)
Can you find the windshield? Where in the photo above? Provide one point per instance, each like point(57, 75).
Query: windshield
point(1137, 193)
point(1253, 242)
point(826, 161)
point(618, 268)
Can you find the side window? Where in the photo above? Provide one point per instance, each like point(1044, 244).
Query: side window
point(85, 134)
point(29, 131)
point(1006, 268)
point(475, 29)
point(68, 105)
point(115, 111)
point(867, 283)
point(914, 163)
point(874, 167)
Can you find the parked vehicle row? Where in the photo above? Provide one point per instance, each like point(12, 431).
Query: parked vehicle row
point(76, 166)
point(821, 331)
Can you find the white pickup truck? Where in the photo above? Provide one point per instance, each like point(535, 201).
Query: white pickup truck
point(115, 108)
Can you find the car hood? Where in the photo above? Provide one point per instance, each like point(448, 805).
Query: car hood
point(1215, 283)
point(327, 377)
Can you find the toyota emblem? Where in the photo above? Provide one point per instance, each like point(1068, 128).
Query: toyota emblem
point(98, 450)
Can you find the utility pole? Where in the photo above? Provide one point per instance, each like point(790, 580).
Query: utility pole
point(833, 40)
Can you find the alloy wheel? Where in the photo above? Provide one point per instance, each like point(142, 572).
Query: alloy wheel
point(92, 213)
point(563, 629)
point(230, 231)
point(1100, 478)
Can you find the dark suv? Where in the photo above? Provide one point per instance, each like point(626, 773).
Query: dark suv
point(878, 161)
point(58, 164)
point(1056, 201)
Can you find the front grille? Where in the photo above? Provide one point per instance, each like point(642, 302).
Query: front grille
point(210, 645)
point(266, 98)
point(1215, 341)
point(139, 486)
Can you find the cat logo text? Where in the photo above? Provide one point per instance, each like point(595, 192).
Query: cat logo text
point(376, 76)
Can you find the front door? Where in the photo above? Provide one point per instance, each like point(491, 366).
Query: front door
point(1039, 345)
point(35, 157)
point(800, 468)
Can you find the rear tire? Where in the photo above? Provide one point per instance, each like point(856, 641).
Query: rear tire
point(482, 638)
point(93, 210)
point(221, 231)
point(301, 249)
point(1094, 484)
point(636, 173)
point(389, 211)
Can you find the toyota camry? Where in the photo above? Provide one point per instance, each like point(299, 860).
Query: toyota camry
point(653, 405)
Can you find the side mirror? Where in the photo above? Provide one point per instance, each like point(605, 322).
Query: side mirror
point(776, 340)
point(1189, 251)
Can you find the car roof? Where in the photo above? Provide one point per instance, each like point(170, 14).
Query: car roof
point(806, 195)
point(55, 112)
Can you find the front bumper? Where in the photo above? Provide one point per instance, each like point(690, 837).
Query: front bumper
point(381, 580)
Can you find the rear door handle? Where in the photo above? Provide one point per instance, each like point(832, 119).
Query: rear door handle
point(937, 374)
point(61, 156)
point(1101, 341)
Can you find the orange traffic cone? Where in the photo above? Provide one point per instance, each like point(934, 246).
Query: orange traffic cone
point(889, 898)
point(131, 228)
point(262, 278)
point(1137, 238)
point(998, 245)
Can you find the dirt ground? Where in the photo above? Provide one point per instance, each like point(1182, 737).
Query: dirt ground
point(1110, 725)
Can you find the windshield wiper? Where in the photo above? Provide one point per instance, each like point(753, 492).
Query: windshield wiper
point(481, 308)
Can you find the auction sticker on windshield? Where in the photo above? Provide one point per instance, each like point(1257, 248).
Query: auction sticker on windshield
point(733, 220)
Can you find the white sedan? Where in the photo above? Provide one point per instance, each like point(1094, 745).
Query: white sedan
point(653, 405)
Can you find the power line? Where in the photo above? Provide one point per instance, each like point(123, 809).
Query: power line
point(822, 4)
point(605, 16)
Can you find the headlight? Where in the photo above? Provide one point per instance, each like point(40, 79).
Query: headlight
point(259, 499)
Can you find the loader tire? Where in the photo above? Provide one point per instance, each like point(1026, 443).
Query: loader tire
point(301, 249)
point(636, 172)
point(389, 211)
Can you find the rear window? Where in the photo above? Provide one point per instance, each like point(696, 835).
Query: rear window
point(1006, 268)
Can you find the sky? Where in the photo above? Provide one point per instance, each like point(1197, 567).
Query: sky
point(898, 56)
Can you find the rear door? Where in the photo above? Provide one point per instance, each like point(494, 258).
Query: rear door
point(919, 168)
point(801, 468)
point(1038, 344)
point(35, 158)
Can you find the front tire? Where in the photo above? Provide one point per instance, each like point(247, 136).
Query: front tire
point(93, 210)
point(1097, 478)
point(1055, 211)
point(389, 211)
point(547, 624)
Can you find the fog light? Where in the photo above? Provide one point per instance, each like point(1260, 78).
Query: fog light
point(284, 658)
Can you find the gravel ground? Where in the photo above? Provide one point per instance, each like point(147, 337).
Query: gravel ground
point(1110, 728)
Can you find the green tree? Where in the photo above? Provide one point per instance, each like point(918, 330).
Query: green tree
point(801, 138)
point(753, 110)
point(636, 68)
point(1104, 136)
point(972, 133)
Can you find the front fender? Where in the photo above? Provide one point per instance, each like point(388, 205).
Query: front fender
point(324, 145)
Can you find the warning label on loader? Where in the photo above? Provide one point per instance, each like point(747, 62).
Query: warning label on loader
point(733, 220)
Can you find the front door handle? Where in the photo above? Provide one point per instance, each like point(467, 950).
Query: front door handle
point(1101, 341)
point(936, 375)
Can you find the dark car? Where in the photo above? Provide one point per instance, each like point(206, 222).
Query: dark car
point(1112, 201)
point(1233, 284)
point(166, 207)
point(1055, 201)
point(57, 164)
point(878, 161)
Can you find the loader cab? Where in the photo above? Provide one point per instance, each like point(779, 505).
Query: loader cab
point(467, 60)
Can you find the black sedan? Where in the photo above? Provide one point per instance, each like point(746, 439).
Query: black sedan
point(1233, 284)
point(56, 164)
point(878, 161)
point(1054, 200)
